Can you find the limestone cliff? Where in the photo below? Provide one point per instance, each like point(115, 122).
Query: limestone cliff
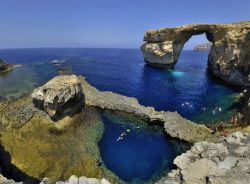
point(229, 56)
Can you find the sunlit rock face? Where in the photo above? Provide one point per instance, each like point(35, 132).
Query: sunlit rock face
point(226, 161)
point(229, 56)
point(61, 95)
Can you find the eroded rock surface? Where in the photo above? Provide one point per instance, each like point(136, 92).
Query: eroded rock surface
point(61, 95)
point(4, 180)
point(72, 180)
point(83, 180)
point(229, 56)
point(227, 161)
point(175, 125)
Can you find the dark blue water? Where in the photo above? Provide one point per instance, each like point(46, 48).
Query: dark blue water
point(124, 71)
point(142, 154)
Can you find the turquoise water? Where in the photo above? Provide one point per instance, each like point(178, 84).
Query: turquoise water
point(141, 154)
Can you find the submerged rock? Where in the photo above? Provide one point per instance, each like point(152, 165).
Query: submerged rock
point(229, 56)
point(227, 161)
point(61, 95)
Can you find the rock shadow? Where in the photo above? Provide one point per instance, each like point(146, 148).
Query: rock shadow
point(10, 171)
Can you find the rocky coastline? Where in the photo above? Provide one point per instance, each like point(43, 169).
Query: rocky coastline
point(46, 125)
point(55, 149)
point(23, 121)
point(229, 56)
point(226, 161)
point(175, 125)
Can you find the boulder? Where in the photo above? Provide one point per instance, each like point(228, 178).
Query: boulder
point(229, 55)
point(61, 95)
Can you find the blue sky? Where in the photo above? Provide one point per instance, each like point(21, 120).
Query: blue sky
point(106, 23)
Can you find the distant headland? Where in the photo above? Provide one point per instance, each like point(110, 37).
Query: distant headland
point(203, 47)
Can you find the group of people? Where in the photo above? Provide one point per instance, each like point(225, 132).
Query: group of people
point(187, 105)
point(123, 134)
point(222, 129)
point(217, 109)
point(235, 119)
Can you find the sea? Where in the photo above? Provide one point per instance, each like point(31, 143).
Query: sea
point(145, 152)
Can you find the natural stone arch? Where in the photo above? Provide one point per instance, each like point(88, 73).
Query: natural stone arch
point(229, 58)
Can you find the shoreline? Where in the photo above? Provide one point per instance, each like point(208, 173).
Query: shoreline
point(175, 125)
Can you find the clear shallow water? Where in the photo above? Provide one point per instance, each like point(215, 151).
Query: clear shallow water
point(187, 89)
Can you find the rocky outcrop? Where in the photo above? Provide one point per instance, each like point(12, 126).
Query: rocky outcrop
point(229, 56)
point(175, 125)
point(227, 161)
point(61, 95)
point(4, 66)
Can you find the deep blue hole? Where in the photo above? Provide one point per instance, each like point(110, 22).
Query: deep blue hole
point(143, 153)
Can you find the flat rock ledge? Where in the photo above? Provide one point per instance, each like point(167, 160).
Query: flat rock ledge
point(72, 180)
point(61, 95)
point(175, 125)
point(227, 161)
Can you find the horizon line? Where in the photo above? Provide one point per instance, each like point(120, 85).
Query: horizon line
point(23, 48)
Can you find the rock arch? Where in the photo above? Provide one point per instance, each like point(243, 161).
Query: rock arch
point(229, 58)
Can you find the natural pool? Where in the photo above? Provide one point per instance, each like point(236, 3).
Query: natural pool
point(136, 151)
point(142, 153)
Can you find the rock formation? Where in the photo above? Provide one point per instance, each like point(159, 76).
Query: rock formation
point(229, 56)
point(4, 180)
point(4, 66)
point(72, 180)
point(61, 95)
point(227, 161)
point(83, 180)
point(175, 125)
